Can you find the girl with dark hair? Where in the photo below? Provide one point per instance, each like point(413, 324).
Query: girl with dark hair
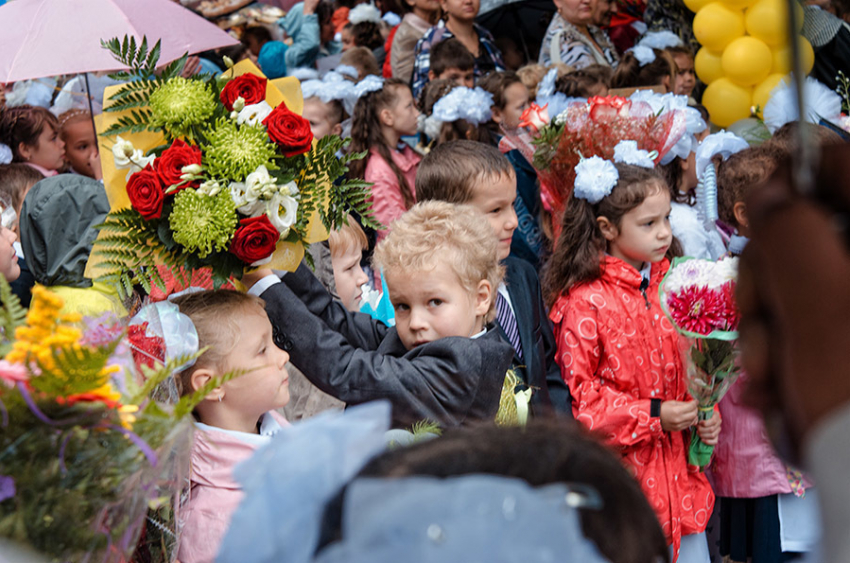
point(618, 353)
point(381, 118)
point(644, 66)
point(32, 134)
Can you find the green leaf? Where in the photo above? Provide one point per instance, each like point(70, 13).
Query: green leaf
point(12, 315)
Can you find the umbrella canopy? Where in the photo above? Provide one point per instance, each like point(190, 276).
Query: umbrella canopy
point(523, 21)
point(51, 37)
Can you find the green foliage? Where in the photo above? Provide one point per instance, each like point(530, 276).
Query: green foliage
point(547, 145)
point(74, 370)
point(843, 90)
point(142, 62)
point(130, 240)
point(12, 315)
point(322, 182)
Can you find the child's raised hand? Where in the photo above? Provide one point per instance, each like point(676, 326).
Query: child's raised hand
point(709, 430)
point(94, 164)
point(678, 415)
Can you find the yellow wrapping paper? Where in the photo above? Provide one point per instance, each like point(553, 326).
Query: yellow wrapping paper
point(286, 90)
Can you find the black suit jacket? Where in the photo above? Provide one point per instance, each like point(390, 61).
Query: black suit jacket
point(538, 368)
point(357, 359)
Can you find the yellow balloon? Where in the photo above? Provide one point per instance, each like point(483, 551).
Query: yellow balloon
point(782, 57)
point(708, 65)
point(696, 5)
point(768, 20)
point(761, 93)
point(727, 102)
point(739, 4)
point(747, 60)
point(716, 25)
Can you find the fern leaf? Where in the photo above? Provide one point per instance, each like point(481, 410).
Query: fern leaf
point(12, 315)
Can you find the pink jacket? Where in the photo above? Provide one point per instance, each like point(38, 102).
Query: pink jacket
point(213, 493)
point(744, 463)
point(386, 198)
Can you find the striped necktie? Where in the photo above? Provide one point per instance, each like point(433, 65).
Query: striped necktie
point(506, 319)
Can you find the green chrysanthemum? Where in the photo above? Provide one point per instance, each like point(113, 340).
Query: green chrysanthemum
point(201, 223)
point(180, 103)
point(234, 151)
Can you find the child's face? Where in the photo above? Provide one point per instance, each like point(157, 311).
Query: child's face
point(319, 115)
point(644, 233)
point(402, 116)
point(8, 259)
point(80, 146)
point(266, 387)
point(433, 304)
point(48, 152)
point(464, 10)
point(516, 102)
point(347, 39)
point(349, 276)
point(495, 198)
point(685, 77)
point(459, 76)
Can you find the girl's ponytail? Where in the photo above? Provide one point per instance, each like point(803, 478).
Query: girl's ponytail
point(366, 134)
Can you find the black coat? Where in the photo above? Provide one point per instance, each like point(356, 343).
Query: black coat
point(357, 359)
point(538, 368)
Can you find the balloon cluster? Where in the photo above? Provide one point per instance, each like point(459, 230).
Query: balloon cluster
point(745, 52)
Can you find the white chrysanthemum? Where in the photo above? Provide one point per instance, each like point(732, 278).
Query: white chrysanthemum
point(660, 40)
point(689, 273)
point(628, 152)
point(595, 178)
point(723, 271)
point(644, 55)
point(282, 211)
point(820, 103)
point(254, 114)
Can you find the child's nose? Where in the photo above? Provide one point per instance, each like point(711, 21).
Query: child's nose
point(361, 277)
point(417, 320)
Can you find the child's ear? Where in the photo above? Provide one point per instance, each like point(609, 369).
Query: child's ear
point(739, 210)
point(497, 115)
point(337, 130)
point(609, 230)
point(483, 298)
point(201, 377)
point(386, 117)
point(24, 150)
point(431, 75)
point(685, 164)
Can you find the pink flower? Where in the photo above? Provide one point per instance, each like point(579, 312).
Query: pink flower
point(698, 309)
point(535, 117)
point(12, 373)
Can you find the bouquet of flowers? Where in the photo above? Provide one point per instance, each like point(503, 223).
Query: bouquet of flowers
point(584, 129)
point(699, 298)
point(220, 173)
point(84, 453)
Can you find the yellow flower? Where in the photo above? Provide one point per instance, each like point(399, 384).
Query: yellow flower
point(127, 416)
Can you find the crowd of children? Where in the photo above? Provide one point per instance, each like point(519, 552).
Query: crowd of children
point(482, 276)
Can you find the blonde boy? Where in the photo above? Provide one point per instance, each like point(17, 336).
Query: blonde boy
point(440, 362)
point(347, 245)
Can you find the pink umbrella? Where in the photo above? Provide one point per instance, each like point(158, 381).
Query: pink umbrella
point(51, 37)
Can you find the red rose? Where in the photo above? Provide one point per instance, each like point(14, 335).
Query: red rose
point(289, 130)
point(255, 239)
point(169, 166)
point(146, 194)
point(249, 87)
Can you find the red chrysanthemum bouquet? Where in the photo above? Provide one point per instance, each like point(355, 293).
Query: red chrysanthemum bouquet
point(699, 298)
point(593, 128)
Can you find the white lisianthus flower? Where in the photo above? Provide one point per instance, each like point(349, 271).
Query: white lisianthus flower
point(254, 114)
point(282, 210)
point(595, 178)
point(246, 203)
point(238, 104)
point(125, 154)
point(210, 188)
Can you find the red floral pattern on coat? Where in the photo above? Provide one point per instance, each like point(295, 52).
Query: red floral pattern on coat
point(616, 356)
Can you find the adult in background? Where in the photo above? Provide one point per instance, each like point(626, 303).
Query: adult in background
point(309, 25)
point(458, 22)
point(417, 21)
point(573, 39)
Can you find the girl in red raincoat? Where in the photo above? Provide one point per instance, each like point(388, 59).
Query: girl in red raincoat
point(618, 352)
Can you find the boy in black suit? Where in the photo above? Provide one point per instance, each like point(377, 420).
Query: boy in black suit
point(440, 362)
point(467, 172)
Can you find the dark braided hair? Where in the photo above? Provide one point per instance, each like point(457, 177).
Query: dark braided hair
point(366, 134)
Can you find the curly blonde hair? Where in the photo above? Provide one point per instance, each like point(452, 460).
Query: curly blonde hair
point(458, 235)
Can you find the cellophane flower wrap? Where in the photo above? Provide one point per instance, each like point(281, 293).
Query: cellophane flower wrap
point(85, 454)
point(554, 145)
point(698, 296)
point(219, 173)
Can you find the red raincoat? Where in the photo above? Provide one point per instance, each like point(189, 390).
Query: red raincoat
point(618, 351)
